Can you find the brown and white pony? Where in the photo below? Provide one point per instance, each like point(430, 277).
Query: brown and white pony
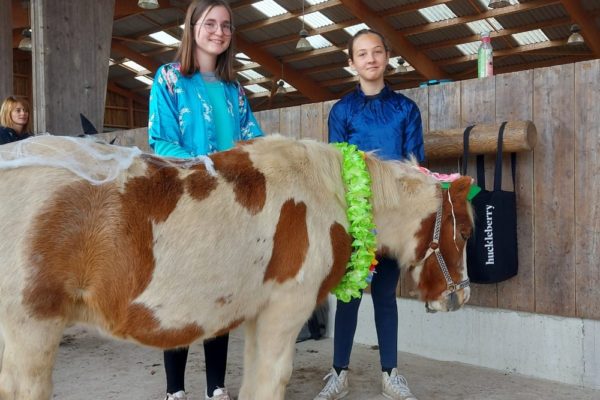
point(165, 254)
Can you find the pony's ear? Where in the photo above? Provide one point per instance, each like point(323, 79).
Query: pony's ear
point(87, 126)
point(459, 189)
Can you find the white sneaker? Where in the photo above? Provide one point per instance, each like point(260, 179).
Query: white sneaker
point(395, 387)
point(176, 396)
point(336, 386)
point(218, 394)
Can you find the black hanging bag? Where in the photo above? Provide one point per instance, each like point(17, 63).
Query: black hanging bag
point(492, 249)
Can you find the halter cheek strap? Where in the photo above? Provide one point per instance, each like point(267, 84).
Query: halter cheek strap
point(434, 248)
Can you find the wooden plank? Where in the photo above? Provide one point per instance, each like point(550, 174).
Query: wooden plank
point(478, 105)
point(444, 113)
point(290, 118)
point(6, 61)
point(553, 100)
point(269, 121)
point(82, 49)
point(587, 188)
point(326, 109)
point(518, 293)
point(311, 121)
point(421, 97)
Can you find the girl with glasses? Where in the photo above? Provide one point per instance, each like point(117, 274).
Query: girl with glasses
point(198, 108)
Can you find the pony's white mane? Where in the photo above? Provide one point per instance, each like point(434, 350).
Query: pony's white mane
point(95, 162)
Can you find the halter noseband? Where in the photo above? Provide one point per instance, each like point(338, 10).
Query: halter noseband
point(434, 247)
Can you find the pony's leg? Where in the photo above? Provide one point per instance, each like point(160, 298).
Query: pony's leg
point(277, 328)
point(249, 378)
point(28, 359)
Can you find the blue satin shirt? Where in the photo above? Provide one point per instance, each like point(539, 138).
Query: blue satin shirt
point(388, 122)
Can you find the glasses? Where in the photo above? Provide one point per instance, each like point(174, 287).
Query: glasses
point(212, 27)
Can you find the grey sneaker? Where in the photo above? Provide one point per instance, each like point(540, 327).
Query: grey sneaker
point(219, 394)
point(176, 396)
point(336, 386)
point(395, 387)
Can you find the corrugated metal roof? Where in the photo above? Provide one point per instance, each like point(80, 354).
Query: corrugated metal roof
point(257, 29)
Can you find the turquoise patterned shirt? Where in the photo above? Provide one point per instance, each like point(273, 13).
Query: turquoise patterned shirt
point(181, 119)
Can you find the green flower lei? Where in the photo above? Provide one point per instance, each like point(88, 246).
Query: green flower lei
point(357, 180)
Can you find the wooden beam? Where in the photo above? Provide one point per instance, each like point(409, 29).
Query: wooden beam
point(399, 43)
point(498, 12)
point(303, 55)
point(507, 52)
point(354, 21)
point(125, 51)
point(20, 15)
point(113, 87)
point(298, 80)
point(497, 34)
point(588, 26)
point(287, 16)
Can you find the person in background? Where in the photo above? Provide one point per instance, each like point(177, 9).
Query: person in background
point(373, 117)
point(197, 108)
point(14, 120)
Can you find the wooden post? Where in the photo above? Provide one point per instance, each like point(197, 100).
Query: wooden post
point(71, 47)
point(518, 136)
point(6, 51)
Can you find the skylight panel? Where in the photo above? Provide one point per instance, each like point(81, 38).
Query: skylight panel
point(316, 20)
point(481, 26)
point(256, 88)
point(135, 67)
point(164, 38)
point(269, 8)
point(530, 37)
point(351, 71)
point(437, 13)
point(244, 59)
point(318, 41)
point(468, 48)
point(144, 79)
point(111, 62)
point(486, 2)
point(250, 74)
point(355, 28)
point(313, 2)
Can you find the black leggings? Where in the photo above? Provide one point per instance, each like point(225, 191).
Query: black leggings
point(215, 354)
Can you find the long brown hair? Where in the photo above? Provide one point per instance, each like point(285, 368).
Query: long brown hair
point(364, 32)
point(185, 53)
point(8, 105)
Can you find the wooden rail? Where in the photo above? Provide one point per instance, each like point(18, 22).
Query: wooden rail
point(518, 136)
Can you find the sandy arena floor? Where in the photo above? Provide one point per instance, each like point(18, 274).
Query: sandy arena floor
point(92, 367)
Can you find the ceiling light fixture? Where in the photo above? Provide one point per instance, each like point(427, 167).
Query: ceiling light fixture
point(401, 68)
point(575, 39)
point(148, 4)
point(280, 83)
point(25, 43)
point(303, 44)
point(498, 3)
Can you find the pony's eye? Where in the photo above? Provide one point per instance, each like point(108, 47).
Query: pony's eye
point(465, 236)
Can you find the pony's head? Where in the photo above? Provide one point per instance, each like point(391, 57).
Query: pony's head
point(425, 228)
point(440, 271)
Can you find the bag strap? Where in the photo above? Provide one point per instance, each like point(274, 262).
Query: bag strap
point(480, 160)
point(498, 168)
point(466, 148)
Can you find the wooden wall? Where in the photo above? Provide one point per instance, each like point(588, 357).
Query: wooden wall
point(558, 184)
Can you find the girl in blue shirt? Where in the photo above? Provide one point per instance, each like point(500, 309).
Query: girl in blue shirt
point(373, 117)
point(197, 108)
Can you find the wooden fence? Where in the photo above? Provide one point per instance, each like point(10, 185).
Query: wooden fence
point(558, 183)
